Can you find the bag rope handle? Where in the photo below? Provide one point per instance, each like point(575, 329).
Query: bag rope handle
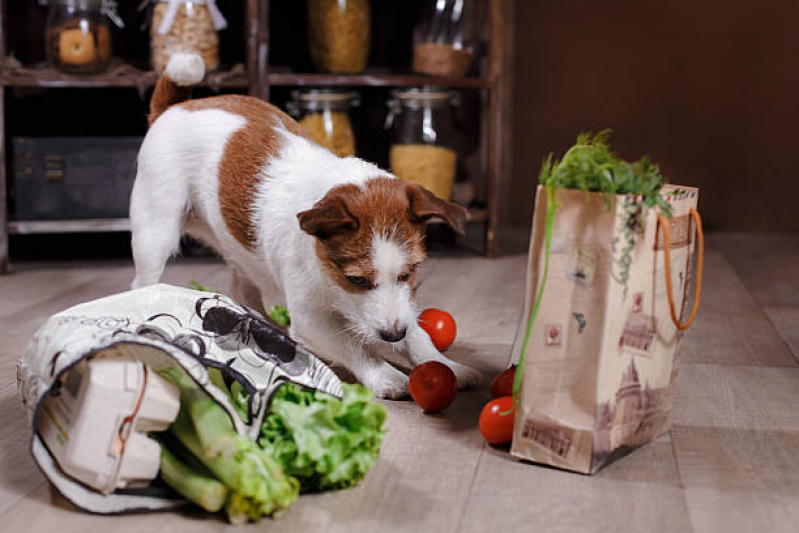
point(700, 256)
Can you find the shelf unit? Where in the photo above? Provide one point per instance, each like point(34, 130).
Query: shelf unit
point(256, 79)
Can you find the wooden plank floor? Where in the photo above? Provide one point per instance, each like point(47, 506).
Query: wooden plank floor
point(731, 462)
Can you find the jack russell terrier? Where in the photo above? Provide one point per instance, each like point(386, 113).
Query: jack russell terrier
point(338, 240)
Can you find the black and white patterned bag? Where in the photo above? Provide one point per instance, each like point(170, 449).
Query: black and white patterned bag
point(157, 325)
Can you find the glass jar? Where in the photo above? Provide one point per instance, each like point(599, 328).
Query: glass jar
point(445, 38)
point(423, 138)
point(78, 35)
point(324, 115)
point(339, 32)
point(185, 25)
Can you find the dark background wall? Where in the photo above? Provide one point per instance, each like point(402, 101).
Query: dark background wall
point(707, 88)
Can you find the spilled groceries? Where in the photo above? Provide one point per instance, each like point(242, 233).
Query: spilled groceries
point(215, 401)
point(309, 441)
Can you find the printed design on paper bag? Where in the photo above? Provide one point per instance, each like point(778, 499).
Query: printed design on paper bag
point(580, 317)
point(639, 329)
point(679, 233)
point(557, 439)
point(638, 302)
point(553, 334)
point(634, 415)
point(630, 223)
point(582, 264)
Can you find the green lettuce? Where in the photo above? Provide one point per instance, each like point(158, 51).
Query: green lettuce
point(325, 442)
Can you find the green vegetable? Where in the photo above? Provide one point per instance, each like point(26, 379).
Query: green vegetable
point(257, 483)
point(197, 287)
point(550, 224)
point(279, 314)
point(211, 422)
point(324, 442)
point(309, 441)
point(590, 166)
point(203, 490)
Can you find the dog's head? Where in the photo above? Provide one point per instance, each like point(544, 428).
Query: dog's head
point(370, 241)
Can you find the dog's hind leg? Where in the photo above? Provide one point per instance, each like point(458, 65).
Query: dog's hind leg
point(157, 212)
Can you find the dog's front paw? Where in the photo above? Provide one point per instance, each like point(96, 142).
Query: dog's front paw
point(467, 376)
point(386, 382)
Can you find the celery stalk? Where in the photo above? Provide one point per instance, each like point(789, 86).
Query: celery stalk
point(206, 492)
point(211, 422)
point(257, 483)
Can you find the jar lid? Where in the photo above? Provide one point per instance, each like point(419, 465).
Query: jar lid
point(321, 99)
point(106, 7)
point(324, 95)
point(416, 96)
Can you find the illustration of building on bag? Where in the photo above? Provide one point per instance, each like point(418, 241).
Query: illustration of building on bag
point(633, 416)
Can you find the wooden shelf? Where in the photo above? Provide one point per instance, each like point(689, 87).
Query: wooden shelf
point(478, 215)
point(374, 79)
point(119, 75)
point(24, 227)
point(255, 77)
point(123, 75)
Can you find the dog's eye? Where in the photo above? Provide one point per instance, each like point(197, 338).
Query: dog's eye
point(360, 282)
point(405, 276)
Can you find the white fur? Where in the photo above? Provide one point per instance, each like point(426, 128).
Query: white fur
point(185, 68)
point(176, 190)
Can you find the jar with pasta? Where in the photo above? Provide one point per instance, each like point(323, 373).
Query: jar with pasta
point(339, 33)
point(324, 115)
point(78, 35)
point(185, 25)
point(423, 139)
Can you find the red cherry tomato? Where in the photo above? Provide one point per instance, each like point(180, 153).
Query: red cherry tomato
point(433, 386)
point(502, 384)
point(496, 427)
point(440, 326)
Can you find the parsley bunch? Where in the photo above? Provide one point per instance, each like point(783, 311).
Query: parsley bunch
point(590, 166)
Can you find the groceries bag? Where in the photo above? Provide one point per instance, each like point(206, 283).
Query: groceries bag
point(160, 325)
point(601, 356)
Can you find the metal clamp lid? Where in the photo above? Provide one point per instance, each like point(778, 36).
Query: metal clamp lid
point(417, 97)
point(318, 99)
point(106, 7)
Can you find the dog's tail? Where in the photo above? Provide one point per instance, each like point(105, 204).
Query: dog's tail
point(184, 70)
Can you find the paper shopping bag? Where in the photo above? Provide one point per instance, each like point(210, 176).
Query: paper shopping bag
point(601, 355)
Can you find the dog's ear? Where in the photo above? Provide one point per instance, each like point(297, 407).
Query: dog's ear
point(328, 217)
point(424, 206)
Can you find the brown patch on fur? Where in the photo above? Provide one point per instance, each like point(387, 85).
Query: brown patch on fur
point(165, 94)
point(246, 153)
point(346, 220)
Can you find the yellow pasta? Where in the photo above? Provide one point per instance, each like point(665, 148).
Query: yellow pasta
point(332, 130)
point(432, 167)
point(338, 34)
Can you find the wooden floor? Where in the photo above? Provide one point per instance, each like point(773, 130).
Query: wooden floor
point(731, 462)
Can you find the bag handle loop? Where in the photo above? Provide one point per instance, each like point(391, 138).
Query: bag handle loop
point(700, 253)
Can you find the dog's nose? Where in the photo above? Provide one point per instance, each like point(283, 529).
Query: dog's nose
point(394, 334)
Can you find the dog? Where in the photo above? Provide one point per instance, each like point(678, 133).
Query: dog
point(338, 240)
